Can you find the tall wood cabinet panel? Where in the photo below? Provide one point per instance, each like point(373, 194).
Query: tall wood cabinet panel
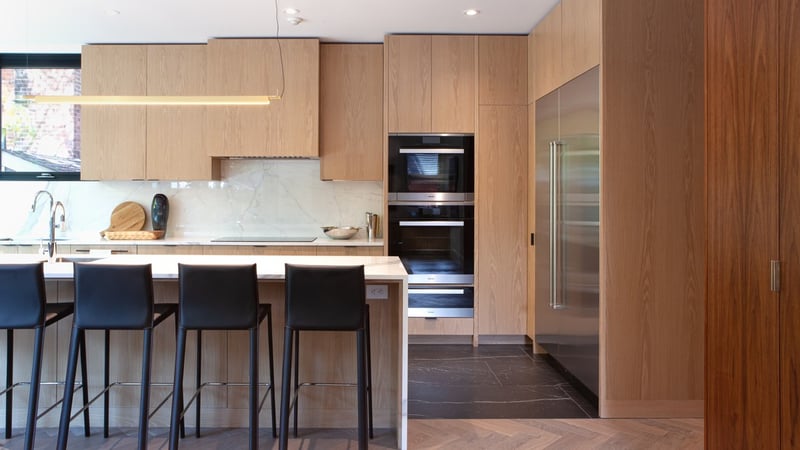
point(501, 229)
point(409, 83)
point(652, 261)
point(580, 36)
point(453, 84)
point(547, 40)
point(176, 136)
point(752, 195)
point(503, 70)
point(351, 112)
point(287, 127)
point(113, 138)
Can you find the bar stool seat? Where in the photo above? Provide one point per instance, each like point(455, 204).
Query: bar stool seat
point(113, 297)
point(326, 298)
point(23, 305)
point(221, 297)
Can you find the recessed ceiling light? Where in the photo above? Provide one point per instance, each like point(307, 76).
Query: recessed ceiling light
point(471, 12)
point(291, 11)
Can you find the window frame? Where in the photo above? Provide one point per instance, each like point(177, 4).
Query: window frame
point(39, 61)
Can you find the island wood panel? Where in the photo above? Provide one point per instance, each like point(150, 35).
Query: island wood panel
point(788, 139)
point(440, 326)
point(325, 250)
point(502, 222)
point(286, 127)
point(652, 262)
point(503, 75)
point(742, 334)
point(408, 93)
point(580, 36)
point(259, 250)
point(176, 135)
point(169, 249)
point(453, 75)
point(547, 39)
point(113, 138)
point(351, 112)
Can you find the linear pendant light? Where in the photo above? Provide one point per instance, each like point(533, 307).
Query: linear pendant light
point(169, 100)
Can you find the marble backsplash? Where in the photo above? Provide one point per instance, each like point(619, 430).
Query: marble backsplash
point(255, 197)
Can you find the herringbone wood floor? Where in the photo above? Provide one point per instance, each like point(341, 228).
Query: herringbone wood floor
point(458, 434)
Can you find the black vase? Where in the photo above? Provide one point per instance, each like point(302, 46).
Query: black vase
point(159, 212)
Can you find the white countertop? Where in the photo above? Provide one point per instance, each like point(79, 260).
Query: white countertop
point(323, 241)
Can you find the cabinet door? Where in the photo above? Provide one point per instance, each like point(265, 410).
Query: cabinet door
point(176, 135)
point(453, 84)
point(789, 137)
point(113, 137)
point(580, 37)
point(409, 83)
point(503, 70)
point(287, 127)
point(742, 327)
point(547, 39)
point(351, 112)
point(501, 198)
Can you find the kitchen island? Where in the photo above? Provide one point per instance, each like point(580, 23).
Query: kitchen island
point(325, 356)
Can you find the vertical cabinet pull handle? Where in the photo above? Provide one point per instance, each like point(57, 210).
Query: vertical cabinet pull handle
point(775, 275)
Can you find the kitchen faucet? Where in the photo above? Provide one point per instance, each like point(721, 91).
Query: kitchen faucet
point(51, 244)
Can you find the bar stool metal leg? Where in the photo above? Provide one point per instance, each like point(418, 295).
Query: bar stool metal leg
point(66, 408)
point(85, 386)
point(362, 390)
point(36, 378)
point(198, 382)
point(254, 388)
point(296, 378)
point(177, 400)
point(271, 373)
point(9, 379)
point(369, 371)
point(286, 389)
point(106, 381)
point(144, 404)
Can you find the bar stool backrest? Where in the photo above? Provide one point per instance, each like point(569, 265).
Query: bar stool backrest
point(325, 297)
point(223, 297)
point(113, 296)
point(22, 295)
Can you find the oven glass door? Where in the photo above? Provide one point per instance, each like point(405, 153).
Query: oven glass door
point(430, 164)
point(434, 242)
point(440, 301)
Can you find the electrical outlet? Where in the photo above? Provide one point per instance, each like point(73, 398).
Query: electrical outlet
point(377, 292)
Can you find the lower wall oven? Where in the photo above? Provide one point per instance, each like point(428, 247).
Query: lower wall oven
point(435, 242)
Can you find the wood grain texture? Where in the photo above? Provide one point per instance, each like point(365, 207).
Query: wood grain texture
point(259, 250)
point(652, 261)
point(789, 157)
point(408, 93)
point(169, 249)
point(440, 326)
point(580, 37)
point(176, 136)
point(531, 67)
point(531, 249)
point(502, 221)
point(325, 250)
point(113, 138)
point(503, 74)
point(453, 84)
point(742, 367)
point(351, 112)
point(287, 127)
point(547, 39)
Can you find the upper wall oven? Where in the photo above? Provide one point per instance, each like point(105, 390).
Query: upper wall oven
point(431, 168)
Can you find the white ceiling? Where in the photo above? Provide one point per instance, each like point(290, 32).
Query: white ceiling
point(64, 25)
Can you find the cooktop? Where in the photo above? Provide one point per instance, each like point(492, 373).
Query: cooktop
point(265, 239)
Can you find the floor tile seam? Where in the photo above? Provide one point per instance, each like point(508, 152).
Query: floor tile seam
point(490, 402)
point(559, 386)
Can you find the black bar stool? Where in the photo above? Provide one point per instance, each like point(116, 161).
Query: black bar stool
point(113, 297)
point(326, 298)
point(220, 297)
point(23, 305)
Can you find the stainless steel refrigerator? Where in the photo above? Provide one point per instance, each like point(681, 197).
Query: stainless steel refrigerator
point(567, 231)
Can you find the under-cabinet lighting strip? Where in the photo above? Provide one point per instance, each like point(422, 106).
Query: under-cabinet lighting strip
point(167, 100)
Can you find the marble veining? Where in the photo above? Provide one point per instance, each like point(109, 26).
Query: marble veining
point(255, 197)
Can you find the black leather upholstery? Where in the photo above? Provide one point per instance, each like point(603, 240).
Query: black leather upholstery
point(118, 297)
point(325, 297)
point(22, 295)
point(218, 297)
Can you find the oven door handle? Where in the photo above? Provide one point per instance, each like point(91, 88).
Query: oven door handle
point(433, 151)
point(431, 223)
point(436, 291)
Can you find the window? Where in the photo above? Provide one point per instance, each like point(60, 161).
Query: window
point(39, 141)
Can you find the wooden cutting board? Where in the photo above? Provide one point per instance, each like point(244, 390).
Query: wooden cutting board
point(127, 216)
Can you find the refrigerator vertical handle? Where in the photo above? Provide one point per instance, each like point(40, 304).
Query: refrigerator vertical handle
point(556, 285)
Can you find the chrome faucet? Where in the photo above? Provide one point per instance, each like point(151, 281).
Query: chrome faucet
point(51, 244)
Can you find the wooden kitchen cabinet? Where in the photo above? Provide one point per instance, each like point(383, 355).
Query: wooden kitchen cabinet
point(351, 112)
point(503, 70)
point(176, 135)
point(113, 138)
point(547, 52)
point(430, 84)
point(287, 127)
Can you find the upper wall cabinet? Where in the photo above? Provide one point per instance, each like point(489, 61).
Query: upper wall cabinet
point(113, 138)
point(287, 127)
point(566, 44)
point(503, 70)
point(351, 112)
point(431, 84)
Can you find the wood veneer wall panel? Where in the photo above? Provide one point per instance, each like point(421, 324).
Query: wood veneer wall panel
point(742, 349)
point(502, 66)
point(652, 255)
point(547, 39)
point(453, 84)
point(580, 37)
point(788, 139)
point(408, 91)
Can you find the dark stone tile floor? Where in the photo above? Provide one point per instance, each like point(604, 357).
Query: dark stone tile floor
point(488, 382)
